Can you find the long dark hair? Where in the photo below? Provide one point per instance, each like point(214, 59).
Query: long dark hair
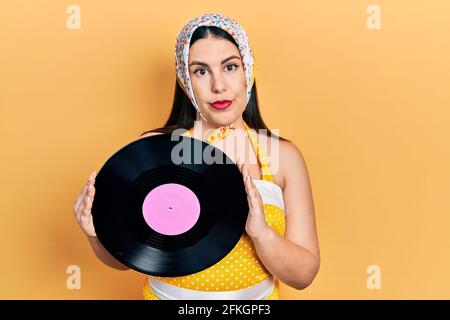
point(183, 112)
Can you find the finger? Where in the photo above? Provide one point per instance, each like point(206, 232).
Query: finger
point(79, 212)
point(254, 198)
point(92, 177)
point(247, 182)
point(87, 224)
point(253, 193)
point(91, 191)
point(84, 201)
point(87, 209)
point(256, 194)
point(245, 169)
point(78, 201)
point(255, 207)
point(80, 198)
point(251, 184)
point(248, 187)
point(85, 220)
point(250, 202)
point(84, 214)
point(89, 199)
point(239, 164)
point(82, 207)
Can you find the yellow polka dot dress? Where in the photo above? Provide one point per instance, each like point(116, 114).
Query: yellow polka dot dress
point(241, 268)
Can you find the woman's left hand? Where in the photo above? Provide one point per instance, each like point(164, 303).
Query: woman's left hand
point(256, 226)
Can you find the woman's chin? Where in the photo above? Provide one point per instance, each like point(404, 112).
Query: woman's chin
point(223, 121)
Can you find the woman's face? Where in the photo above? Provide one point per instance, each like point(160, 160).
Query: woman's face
point(217, 73)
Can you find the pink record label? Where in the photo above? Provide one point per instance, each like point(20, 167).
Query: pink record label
point(171, 209)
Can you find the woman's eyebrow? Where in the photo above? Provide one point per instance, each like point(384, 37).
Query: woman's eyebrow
point(206, 65)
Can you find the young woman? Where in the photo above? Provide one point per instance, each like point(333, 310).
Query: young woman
point(216, 101)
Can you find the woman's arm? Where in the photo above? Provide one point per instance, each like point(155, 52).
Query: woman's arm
point(295, 259)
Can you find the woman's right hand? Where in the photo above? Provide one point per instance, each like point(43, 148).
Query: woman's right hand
point(82, 207)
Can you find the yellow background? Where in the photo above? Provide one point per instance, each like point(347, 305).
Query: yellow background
point(369, 109)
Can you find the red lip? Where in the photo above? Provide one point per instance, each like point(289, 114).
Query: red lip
point(221, 104)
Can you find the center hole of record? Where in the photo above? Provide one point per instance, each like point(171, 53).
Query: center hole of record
point(174, 199)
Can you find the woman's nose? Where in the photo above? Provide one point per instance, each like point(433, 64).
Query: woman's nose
point(218, 84)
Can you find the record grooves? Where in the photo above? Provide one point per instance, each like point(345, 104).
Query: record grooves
point(168, 219)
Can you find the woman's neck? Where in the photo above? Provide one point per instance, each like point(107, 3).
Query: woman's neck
point(203, 129)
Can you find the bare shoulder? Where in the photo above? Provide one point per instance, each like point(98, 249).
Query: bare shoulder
point(281, 155)
point(285, 158)
point(149, 134)
point(290, 153)
point(293, 165)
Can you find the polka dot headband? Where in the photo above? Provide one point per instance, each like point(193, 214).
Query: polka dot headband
point(182, 51)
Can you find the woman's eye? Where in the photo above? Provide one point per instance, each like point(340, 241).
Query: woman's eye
point(202, 71)
point(232, 65)
point(196, 71)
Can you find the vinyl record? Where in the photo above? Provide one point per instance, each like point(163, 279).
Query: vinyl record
point(169, 205)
